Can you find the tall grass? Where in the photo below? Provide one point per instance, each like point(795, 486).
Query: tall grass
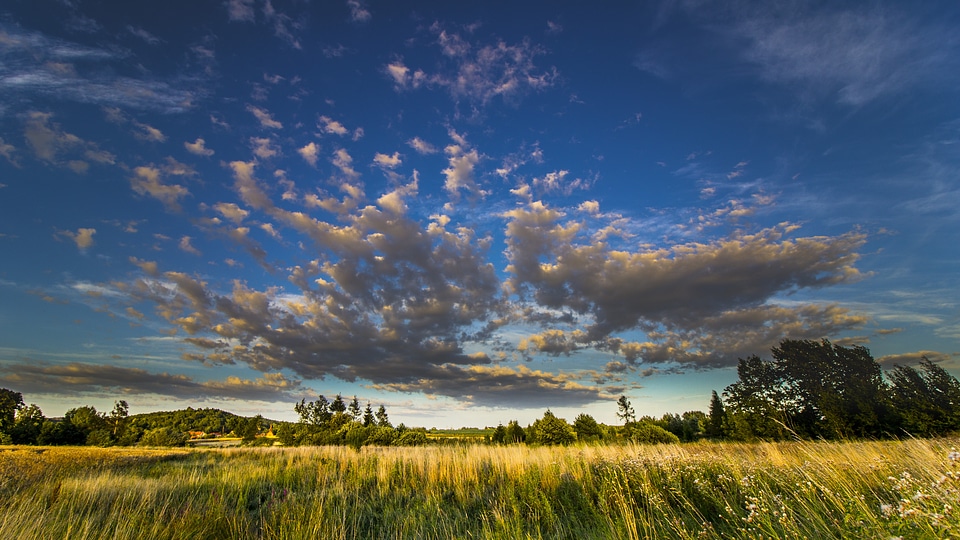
point(782, 490)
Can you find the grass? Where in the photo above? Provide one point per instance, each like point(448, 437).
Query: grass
point(906, 489)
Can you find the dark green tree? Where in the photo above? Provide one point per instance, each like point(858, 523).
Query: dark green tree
point(832, 391)
point(718, 417)
point(552, 430)
point(515, 433)
point(316, 413)
point(499, 435)
point(354, 409)
point(625, 410)
point(10, 403)
point(756, 403)
point(927, 400)
point(118, 418)
point(28, 425)
point(368, 418)
point(587, 428)
point(338, 405)
point(382, 419)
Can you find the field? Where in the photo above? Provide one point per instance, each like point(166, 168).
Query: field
point(883, 490)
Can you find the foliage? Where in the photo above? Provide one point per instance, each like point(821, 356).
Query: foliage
point(928, 399)
point(821, 390)
point(10, 403)
point(163, 436)
point(515, 433)
point(625, 410)
point(551, 430)
point(647, 432)
point(587, 428)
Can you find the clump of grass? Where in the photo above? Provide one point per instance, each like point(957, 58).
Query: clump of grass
point(782, 490)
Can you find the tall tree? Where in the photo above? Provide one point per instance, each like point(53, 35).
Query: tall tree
point(625, 410)
point(587, 428)
point(837, 391)
point(10, 403)
point(756, 402)
point(354, 408)
point(118, 418)
point(368, 418)
point(927, 400)
point(552, 430)
point(382, 419)
point(28, 425)
point(338, 405)
point(718, 417)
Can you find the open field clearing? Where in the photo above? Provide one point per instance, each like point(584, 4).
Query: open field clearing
point(784, 490)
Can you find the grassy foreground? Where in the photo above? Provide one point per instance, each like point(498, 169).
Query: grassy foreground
point(784, 490)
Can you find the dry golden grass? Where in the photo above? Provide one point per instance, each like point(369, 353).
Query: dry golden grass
point(775, 490)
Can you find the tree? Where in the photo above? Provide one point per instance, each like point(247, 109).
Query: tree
point(928, 399)
point(515, 433)
point(28, 425)
point(354, 409)
point(756, 402)
point(163, 436)
point(499, 435)
point(587, 428)
point(338, 405)
point(118, 418)
point(833, 391)
point(650, 433)
point(625, 410)
point(718, 417)
point(316, 413)
point(552, 430)
point(368, 418)
point(382, 419)
point(10, 403)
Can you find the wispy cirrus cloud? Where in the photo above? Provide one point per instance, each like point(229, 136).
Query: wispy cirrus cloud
point(32, 63)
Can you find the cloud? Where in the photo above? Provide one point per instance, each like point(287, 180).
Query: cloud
point(328, 125)
point(680, 287)
point(148, 133)
point(232, 212)
point(198, 148)
point(422, 147)
point(479, 73)
point(147, 180)
point(264, 117)
point(264, 148)
point(387, 162)
point(33, 64)
point(499, 386)
point(8, 151)
point(557, 182)
point(187, 247)
point(403, 78)
point(913, 358)
point(240, 10)
point(310, 152)
point(358, 11)
point(460, 173)
point(80, 379)
point(83, 238)
point(147, 37)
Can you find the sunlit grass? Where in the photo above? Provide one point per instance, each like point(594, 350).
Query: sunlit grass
point(782, 490)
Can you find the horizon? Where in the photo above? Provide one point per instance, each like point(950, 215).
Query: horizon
point(467, 213)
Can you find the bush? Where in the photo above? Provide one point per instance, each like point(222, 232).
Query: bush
point(164, 436)
point(645, 432)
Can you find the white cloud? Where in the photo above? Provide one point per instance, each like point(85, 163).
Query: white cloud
point(266, 120)
point(264, 148)
point(148, 133)
point(358, 11)
point(310, 152)
point(240, 10)
point(187, 247)
point(328, 125)
point(387, 162)
point(422, 146)
point(198, 148)
point(83, 238)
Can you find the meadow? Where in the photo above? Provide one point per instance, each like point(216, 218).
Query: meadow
point(905, 489)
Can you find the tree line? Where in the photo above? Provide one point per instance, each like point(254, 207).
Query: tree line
point(809, 390)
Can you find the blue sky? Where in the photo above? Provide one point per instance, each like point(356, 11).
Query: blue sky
point(467, 213)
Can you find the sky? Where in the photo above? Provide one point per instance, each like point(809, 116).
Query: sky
point(468, 212)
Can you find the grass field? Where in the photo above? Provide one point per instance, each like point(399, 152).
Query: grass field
point(785, 490)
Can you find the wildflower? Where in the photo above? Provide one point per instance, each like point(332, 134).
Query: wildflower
point(953, 455)
point(886, 510)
